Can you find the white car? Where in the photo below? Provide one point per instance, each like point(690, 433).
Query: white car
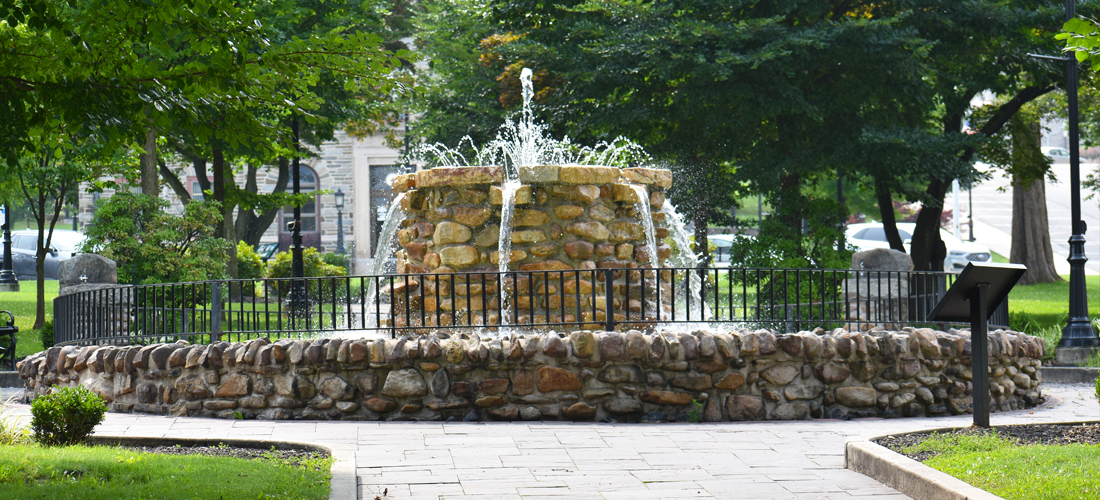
point(871, 235)
point(1057, 155)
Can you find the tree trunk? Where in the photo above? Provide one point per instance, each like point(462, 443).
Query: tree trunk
point(260, 223)
point(886, 213)
point(150, 173)
point(225, 229)
point(1031, 233)
point(173, 180)
point(927, 248)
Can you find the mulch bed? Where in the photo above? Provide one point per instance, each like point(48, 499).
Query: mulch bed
point(293, 457)
point(1048, 434)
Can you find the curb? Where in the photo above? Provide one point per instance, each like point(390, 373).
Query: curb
point(343, 485)
point(1069, 374)
point(10, 379)
point(911, 477)
point(906, 475)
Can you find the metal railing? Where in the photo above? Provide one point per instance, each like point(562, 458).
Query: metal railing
point(787, 300)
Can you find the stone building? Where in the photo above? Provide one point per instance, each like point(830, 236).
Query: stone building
point(356, 167)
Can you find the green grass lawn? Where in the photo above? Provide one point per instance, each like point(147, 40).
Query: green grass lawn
point(22, 305)
point(1001, 467)
point(107, 473)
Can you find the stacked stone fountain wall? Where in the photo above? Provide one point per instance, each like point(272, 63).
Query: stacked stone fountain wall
point(566, 218)
point(584, 376)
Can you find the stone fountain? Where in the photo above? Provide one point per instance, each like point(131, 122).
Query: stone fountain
point(554, 223)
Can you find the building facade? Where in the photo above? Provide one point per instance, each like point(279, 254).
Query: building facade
point(357, 167)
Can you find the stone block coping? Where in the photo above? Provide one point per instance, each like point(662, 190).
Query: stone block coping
point(342, 486)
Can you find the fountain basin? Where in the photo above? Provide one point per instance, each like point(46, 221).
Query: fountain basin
point(583, 376)
point(562, 217)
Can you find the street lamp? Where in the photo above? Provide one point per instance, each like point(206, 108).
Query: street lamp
point(8, 281)
point(339, 221)
point(1078, 336)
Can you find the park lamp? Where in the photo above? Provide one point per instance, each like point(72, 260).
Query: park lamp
point(339, 199)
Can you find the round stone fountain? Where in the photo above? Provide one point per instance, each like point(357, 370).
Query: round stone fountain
point(563, 218)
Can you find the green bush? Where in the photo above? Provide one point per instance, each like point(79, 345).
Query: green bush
point(46, 334)
point(314, 266)
point(151, 245)
point(335, 259)
point(249, 264)
point(66, 416)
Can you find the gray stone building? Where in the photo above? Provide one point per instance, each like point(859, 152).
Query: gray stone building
point(356, 167)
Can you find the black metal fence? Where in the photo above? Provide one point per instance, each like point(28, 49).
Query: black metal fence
point(788, 300)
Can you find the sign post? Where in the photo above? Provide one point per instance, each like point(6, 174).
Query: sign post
point(975, 294)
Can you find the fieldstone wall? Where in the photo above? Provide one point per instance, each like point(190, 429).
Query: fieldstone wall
point(566, 218)
point(584, 376)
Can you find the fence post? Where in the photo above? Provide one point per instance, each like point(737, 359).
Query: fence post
point(609, 298)
point(216, 312)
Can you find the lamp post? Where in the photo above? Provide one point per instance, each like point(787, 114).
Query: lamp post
point(8, 281)
point(339, 221)
point(1078, 332)
point(297, 301)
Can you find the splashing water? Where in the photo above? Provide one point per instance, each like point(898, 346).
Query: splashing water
point(642, 207)
point(504, 247)
point(383, 251)
point(527, 143)
point(686, 258)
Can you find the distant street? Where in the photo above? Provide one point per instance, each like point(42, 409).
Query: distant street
point(993, 216)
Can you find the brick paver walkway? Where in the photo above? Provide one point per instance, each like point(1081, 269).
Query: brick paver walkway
point(534, 460)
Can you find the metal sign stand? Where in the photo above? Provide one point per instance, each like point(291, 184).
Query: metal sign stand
point(979, 290)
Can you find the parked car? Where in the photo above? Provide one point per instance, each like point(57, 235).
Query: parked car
point(24, 245)
point(867, 236)
point(1057, 155)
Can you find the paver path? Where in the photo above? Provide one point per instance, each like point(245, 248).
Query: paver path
point(763, 460)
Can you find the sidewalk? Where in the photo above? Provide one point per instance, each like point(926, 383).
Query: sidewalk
point(536, 460)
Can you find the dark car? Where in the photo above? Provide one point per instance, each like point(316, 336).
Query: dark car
point(24, 244)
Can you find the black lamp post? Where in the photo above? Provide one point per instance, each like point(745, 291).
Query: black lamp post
point(8, 281)
point(339, 221)
point(297, 302)
point(1078, 331)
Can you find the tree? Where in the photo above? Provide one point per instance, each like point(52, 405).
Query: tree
point(1016, 150)
point(48, 178)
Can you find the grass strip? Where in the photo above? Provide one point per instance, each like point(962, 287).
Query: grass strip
point(110, 473)
point(1000, 466)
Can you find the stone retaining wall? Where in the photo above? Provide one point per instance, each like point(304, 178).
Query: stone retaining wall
point(583, 376)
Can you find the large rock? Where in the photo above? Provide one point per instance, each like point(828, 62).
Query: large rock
point(96, 268)
point(550, 379)
point(856, 397)
point(404, 383)
point(882, 259)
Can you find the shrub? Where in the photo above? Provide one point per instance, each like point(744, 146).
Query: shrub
point(151, 245)
point(66, 416)
point(249, 264)
point(336, 259)
point(314, 266)
point(46, 334)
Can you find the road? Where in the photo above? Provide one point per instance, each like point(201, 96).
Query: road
point(993, 216)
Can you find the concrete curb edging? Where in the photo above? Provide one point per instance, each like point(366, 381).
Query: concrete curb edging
point(1069, 374)
point(906, 475)
point(342, 487)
